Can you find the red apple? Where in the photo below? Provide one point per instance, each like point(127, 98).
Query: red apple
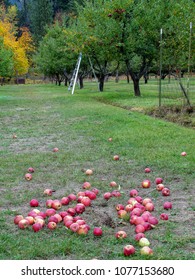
point(116, 193)
point(17, 219)
point(49, 203)
point(14, 136)
point(136, 211)
point(65, 200)
point(58, 216)
point(107, 195)
point(149, 206)
point(139, 199)
point(158, 180)
point(97, 231)
point(160, 187)
point(63, 214)
point(139, 235)
point(34, 203)
point(86, 201)
point(72, 197)
point(74, 227)
point(30, 220)
point(55, 150)
point(28, 176)
point(95, 190)
point(80, 208)
point(56, 204)
point(183, 154)
point(147, 170)
point(81, 222)
point(153, 221)
point(83, 229)
point(71, 211)
point(48, 192)
point(133, 193)
point(86, 185)
point(53, 219)
point(39, 221)
point(50, 212)
point(113, 184)
point(146, 184)
point(121, 234)
point(128, 250)
point(31, 170)
point(22, 224)
point(90, 194)
point(139, 221)
point(167, 205)
point(67, 218)
point(119, 207)
point(51, 225)
point(139, 228)
point(116, 157)
point(164, 216)
point(129, 207)
point(165, 192)
point(68, 223)
point(146, 200)
point(36, 227)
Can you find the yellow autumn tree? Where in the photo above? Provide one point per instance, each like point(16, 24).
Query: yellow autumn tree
point(22, 46)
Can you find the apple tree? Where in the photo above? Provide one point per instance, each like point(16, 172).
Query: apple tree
point(97, 38)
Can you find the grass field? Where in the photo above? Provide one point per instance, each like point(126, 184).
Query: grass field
point(48, 116)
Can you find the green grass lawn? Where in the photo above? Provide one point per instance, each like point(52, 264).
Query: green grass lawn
point(48, 116)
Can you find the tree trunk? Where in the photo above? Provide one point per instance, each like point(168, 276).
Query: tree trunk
point(136, 87)
point(66, 81)
point(81, 85)
point(101, 83)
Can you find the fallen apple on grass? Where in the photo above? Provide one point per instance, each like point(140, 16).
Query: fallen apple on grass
point(48, 192)
point(31, 170)
point(164, 216)
point(113, 184)
point(18, 218)
point(183, 154)
point(147, 170)
point(165, 192)
point(158, 180)
point(128, 250)
point(167, 205)
point(97, 231)
point(146, 251)
point(144, 242)
point(55, 150)
point(34, 203)
point(146, 184)
point(89, 172)
point(28, 176)
point(116, 157)
point(121, 234)
point(133, 193)
point(36, 227)
point(51, 225)
point(22, 224)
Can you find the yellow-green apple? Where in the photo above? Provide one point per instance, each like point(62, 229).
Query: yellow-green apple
point(144, 242)
point(146, 251)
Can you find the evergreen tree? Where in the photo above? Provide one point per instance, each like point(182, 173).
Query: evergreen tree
point(40, 15)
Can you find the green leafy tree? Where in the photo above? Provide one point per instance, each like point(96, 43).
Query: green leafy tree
point(6, 61)
point(56, 57)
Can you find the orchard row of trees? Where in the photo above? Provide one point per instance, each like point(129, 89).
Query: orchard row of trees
point(117, 35)
point(121, 34)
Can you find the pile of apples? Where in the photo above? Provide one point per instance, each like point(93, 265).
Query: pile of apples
point(137, 211)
